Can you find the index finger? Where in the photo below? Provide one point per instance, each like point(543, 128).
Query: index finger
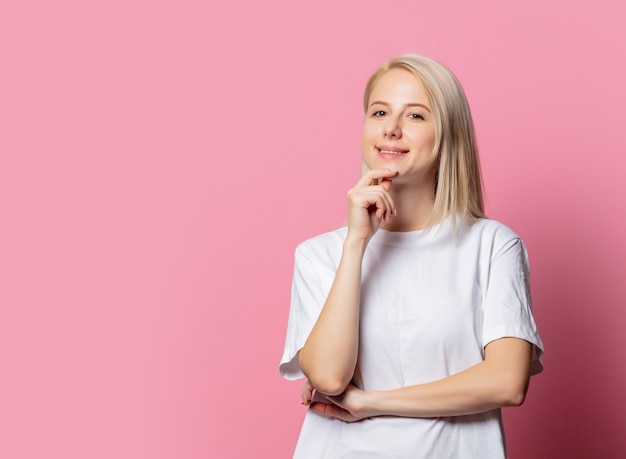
point(376, 174)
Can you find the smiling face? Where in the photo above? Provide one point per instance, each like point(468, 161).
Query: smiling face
point(399, 130)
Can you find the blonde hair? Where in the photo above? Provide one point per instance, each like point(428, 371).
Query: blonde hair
point(458, 182)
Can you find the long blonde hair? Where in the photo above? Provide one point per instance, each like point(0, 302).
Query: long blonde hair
point(458, 183)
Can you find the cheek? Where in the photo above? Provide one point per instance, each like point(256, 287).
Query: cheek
point(433, 141)
point(428, 140)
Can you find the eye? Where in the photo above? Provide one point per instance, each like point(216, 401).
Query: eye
point(379, 113)
point(416, 116)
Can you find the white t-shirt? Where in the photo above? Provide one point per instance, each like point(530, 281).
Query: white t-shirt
point(430, 303)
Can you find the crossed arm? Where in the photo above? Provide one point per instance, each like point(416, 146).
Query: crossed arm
point(500, 380)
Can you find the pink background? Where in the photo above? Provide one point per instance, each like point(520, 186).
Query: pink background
point(161, 160)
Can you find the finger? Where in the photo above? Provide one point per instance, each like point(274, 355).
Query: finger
point(307, 393)
point(309, 396)
point(375, 200)
point(373, 195)
point(375, 174)
point(390, 207)
point(305, 396)
point(384, 186)
point(368, 198)
point(332, 411)
point(385, 183)
point(383, 201)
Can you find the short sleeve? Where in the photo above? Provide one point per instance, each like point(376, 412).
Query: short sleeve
point(507, 307)
point(308, 293)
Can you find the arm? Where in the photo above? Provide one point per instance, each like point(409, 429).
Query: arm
point(329, 355)
point(500, 380)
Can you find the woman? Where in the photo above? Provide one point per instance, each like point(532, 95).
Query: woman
point(413, 323)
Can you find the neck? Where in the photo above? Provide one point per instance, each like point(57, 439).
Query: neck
point(414, 205)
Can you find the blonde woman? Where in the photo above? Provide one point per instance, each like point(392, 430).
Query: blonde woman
point(413, 323)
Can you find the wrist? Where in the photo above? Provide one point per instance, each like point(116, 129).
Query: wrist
point(355, 244)
point(371, 404)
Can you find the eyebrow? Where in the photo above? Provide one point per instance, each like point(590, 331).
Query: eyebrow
point(412, 104)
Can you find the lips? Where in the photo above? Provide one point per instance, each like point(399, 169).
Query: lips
point(389, 152)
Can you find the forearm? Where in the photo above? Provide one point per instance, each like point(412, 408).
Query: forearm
point(494, 383)
point(330, 353)
point(465, 393)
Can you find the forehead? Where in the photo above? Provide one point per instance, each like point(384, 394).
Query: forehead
point(399, 86)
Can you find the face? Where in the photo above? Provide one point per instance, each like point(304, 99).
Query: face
point(399, 129)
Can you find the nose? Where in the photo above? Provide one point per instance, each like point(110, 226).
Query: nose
point(393, 130)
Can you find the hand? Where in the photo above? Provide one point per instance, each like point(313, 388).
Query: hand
point(349, 406)
point(307, 393)
point(370, 204)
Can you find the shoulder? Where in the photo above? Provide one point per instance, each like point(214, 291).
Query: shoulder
point(491, 235)
point(488, 228)
point(318, 257)
point(323, 246)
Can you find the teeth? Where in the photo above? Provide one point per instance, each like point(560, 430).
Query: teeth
point(389, 152)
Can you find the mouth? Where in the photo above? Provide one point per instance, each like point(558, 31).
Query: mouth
point(391, 151)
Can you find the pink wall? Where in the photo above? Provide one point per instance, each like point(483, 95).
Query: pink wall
point(161, 160)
